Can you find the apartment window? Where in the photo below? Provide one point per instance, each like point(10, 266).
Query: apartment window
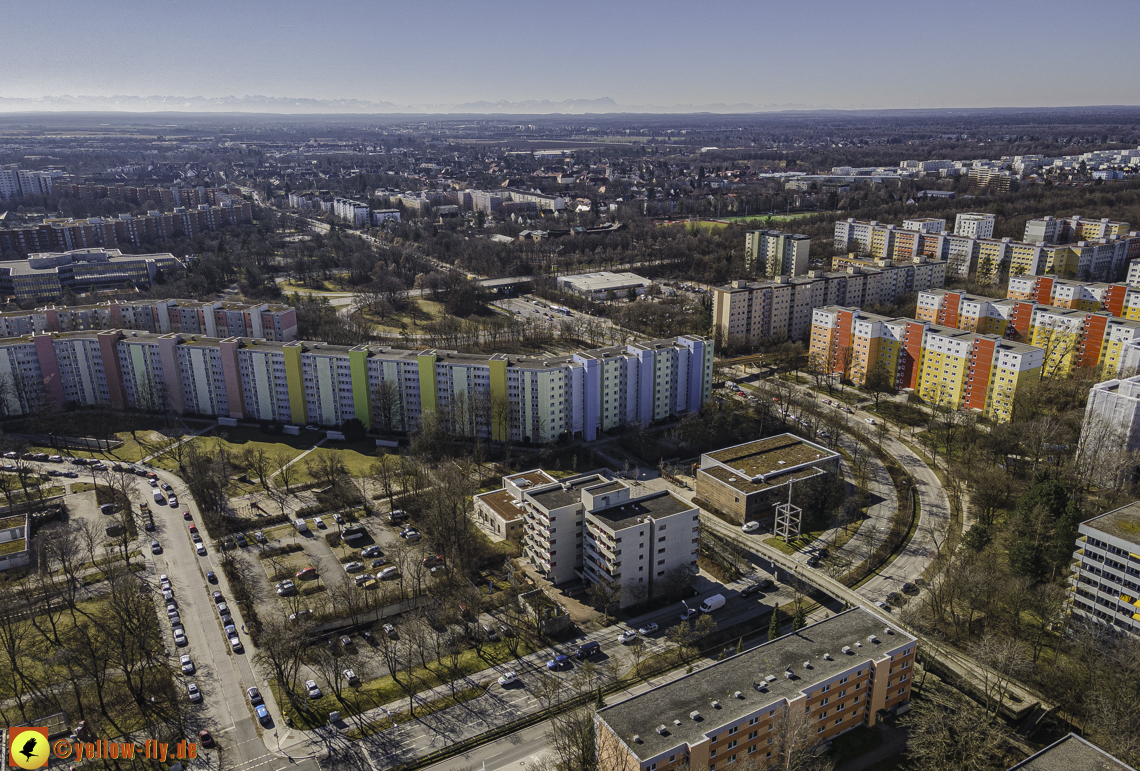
point(733, 730)
point(754, 721)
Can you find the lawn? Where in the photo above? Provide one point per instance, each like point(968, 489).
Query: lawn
point(135, 446)
point(417, 312)
point(357, 457)
point(238, 440)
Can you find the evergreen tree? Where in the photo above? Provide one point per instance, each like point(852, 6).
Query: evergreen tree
point(774, 626)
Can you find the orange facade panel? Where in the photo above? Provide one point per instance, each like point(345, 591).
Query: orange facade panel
point(978, 379)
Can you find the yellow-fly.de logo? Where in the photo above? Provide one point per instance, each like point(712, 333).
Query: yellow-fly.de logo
point(28, 748)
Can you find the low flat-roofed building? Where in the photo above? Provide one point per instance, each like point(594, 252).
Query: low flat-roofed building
point(598, 285)
point(1071, 753)
point(847, 671)
point(746, 481)
point(501, 511)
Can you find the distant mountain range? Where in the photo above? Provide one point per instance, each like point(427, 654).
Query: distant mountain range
point(297, 106)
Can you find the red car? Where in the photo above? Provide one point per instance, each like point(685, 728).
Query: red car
point(186, 515)
point(205, 738)
point(309, 572)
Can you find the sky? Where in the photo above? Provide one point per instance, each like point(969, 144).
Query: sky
point(672, 55)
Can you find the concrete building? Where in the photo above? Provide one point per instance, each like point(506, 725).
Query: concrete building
point(772, 253)
point(16, 182)
point(526, 399)
point(384, 215)
point(1071, 753)
point(1106, 571)
point(597, 286)
point(573, 529)
point(974, 225)
point(542, 201)
point(943, 365)
point(352, 212)
point(1115, 403)
point(269, 321)
point(745, 482)
point(46, 276)
point(925, 225)
point(850, 670)
point(746, 313)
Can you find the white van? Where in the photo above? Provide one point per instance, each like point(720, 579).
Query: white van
point(301, 526)
point(716, 602)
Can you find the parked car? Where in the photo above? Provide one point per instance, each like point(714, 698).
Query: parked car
point(350, 677)
point(558, 662)
point(155, 547)
point(211, 577)
point(371, 551)
point(254, 695)
point(508, 678)
point(187, 664)
point(193, 693)
point(649, 628)
point(262, 714)
point(338, 518)
point(166, 487)
point(628, 635)
point(378, 562)
point(306, 573)
point(186, 514)
point(201, 550)
point(180, 638)
point(285, 587)
point(362, 579)
point(411, 534)
point(345, 641)
point(313, 689)
point(397, 515)
point(353, 567)
point(205, 739)
point(750, 527)
point(239, 539)
point(320, 523)
point(159, 497)
point(389, 572)
point(260, 537)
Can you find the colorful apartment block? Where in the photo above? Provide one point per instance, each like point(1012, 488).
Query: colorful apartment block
point(532, 399)
point(1082, 249)
point(946, 366)
point(269, 321)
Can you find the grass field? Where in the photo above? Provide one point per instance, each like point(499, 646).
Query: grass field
point(135, 446)
point(755, 219)
point(411, 319)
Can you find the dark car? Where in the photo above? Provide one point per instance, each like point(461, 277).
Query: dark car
point(558, 662)
point(205, 738)
point(585, 650)
point(765, 585)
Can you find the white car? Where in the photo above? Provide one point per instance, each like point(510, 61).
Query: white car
point(187, 664)
point(870, 420)
point(649, 628)
point(159, 497)
point(319, 522)
point(193, 692)
point(352, 567)
point(201, 550)
point(388, 572)
point(508, 678)
point(628, 635)
point(750, 527)
point(313, 689)
point(688, 613)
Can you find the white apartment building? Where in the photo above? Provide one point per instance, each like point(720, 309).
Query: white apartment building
point(593, 528)
point(925, 225)
point(1106, 576)
point(974, 225)
point(16, 182)
point(772, 253)
point(1115, 403)
point(351, 211)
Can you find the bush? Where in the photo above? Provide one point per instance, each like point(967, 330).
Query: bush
point(279, 551)
point(332, 539)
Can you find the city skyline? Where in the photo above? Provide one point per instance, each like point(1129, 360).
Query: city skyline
point(468, 58)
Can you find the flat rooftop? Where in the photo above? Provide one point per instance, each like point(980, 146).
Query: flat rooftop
point(566, 494)
point(640, 715)
point(535, 477)
point(1122, 523)
point(747, 486)
point(1072, 753)
point(767, 456)
point(657, 505)
point(502, 502)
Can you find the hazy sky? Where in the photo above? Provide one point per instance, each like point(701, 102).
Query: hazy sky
point(852, 54)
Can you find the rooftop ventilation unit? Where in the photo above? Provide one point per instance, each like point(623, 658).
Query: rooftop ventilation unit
point(872, 639)
point(827, 657)
point(847, 649)
point(662, 730)
point(789, 674)
point(676, 722)
point(738, 695)
point(636, 739)
point(858, 645)
point(888, 630)
point(695, 715)
point(716, 704)
point(770, 678)
point(807, 665)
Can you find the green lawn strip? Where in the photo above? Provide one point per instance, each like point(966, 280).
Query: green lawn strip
point(385, 690)
point(355, 456)
point(422, 710)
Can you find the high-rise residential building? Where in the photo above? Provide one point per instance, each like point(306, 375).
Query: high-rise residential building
point(219, 318)
point(1106, 571)
point(1114, 405)
point(772, 253)
point(974, 225)
point(1045, 230)
point(16, 182)
point(597, 529)
point(943, 365)
point(533, 399)
point(352, 212)
point(850, 670)
point(61, 235)
point(746, 313)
